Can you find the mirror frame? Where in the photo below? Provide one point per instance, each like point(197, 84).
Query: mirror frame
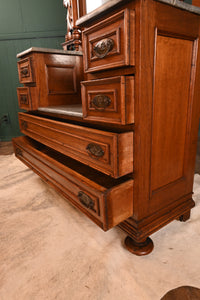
point(75, 9)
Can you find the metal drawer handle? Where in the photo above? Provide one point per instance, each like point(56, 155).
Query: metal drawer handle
point(95, 150)
point(23, 99)
point(86, 200)
point(24, 71)
point(100, 102)
point(24, 124)
point(102, 48)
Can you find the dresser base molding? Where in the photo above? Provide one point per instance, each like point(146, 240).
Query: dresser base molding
point(140, 231)
point(139, 249)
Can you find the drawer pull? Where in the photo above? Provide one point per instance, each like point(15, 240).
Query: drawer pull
point(95, 150)
point(100, 102)
point(103, 47)
point(18, 152)
point(24, 124)
point(23, 99)
point(86, 200)
point(25, 72)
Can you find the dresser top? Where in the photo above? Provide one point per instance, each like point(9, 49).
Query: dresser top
point(108, 5)
point(48, 50)
point(68, 110)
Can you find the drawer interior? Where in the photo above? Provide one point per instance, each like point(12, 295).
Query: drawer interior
point(92, 174)
point(105, 200)
point(107, 151)
point(73, 115)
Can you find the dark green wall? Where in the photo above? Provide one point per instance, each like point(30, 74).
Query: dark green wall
point(24, 24)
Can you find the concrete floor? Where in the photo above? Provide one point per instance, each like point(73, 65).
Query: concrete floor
point(6, 148)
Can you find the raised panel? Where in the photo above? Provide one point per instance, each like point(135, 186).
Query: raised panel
point(109, 99)
point(110, 44)
point(173, 59)
point(109, 104)
point(61, 79)
point(23, 95)
point(25, 70)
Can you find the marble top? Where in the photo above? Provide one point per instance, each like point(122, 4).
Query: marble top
point(48, 50)
point(108, 5)
point(68, 110)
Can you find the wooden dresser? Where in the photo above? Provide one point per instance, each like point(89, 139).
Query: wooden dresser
point(115, 130)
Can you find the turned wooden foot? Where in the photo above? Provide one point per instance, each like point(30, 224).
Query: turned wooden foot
point(139, 249)
point(184, 217)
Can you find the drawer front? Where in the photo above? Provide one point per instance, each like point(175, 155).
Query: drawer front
point(24, 98)
point(25, 70)
point(109, 100)
point(110, 43)
point(107, 207)
point(27, 98)
point(108, 152)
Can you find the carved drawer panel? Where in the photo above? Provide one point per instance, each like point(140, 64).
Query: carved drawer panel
point(109, 100)
point(27, 98)
point(105, 200)
point(25, 70)
point(110, 43)
point(108, 152)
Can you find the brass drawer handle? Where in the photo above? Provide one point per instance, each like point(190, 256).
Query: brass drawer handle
point(24, 124)
point(19, 152)
point(23, 99)
point(101, 102)
point(103, 47)
point(86, 200)
point(95, 150)
point(24, 72)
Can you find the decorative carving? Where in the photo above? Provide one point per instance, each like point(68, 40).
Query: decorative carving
point(95, 150)
point(24, 125)
point(18, 151)
point(73, 36)
point(24, 72)
point(23, 99)
point(86, 200)
point(100, 102)
point(103, 47)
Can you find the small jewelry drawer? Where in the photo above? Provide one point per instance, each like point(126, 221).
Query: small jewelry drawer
point(108, 152)
point(109, 100)
point(105, 200)
point(110, 43)
point(25, 71)
point(27, 98)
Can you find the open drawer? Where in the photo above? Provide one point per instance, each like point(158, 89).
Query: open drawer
point(105, 200)
point(106, 151)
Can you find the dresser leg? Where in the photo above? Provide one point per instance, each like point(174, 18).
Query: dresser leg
point(184, 217)
point(139, 249)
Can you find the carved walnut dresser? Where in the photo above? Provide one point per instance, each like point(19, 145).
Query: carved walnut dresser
point(112, 120)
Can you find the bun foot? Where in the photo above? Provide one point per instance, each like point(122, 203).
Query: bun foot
point(139, 249)
point(185, 217)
